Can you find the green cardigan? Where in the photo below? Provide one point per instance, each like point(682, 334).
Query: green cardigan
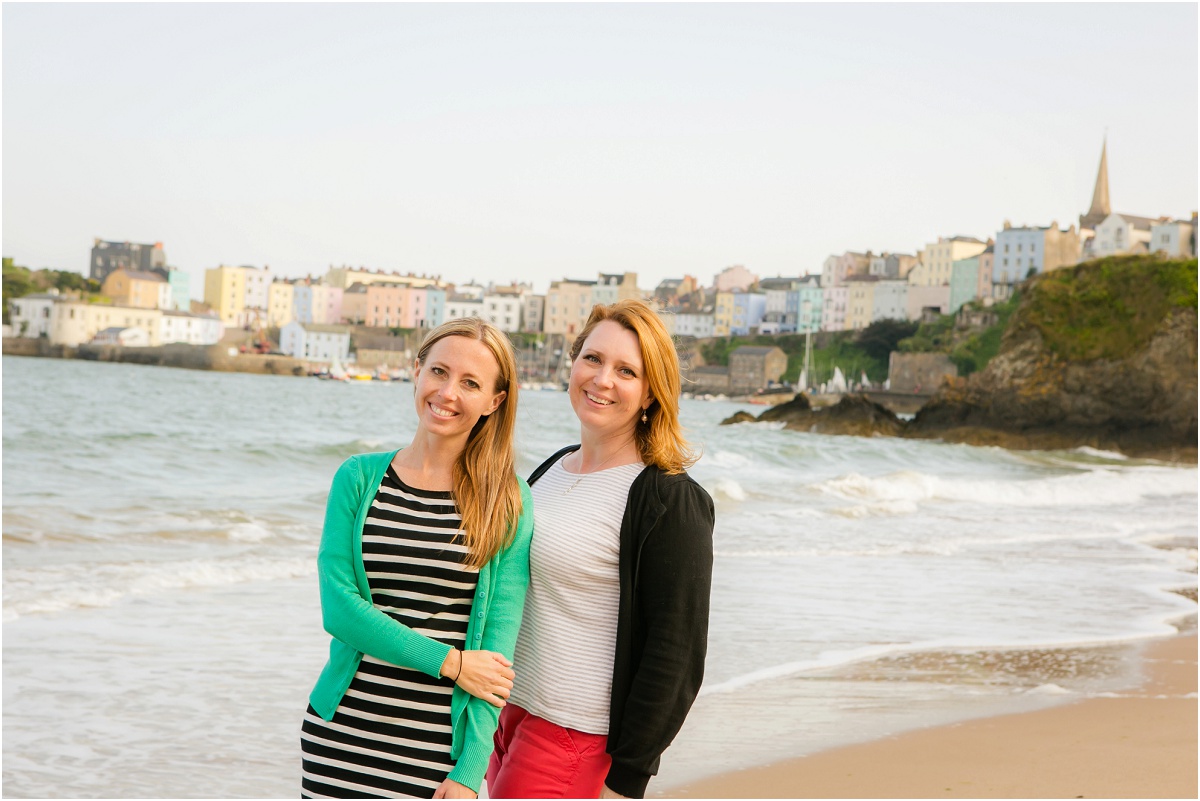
point(358, 627)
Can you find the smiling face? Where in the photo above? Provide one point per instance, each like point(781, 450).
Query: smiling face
point(608, 386)
point(456, 385)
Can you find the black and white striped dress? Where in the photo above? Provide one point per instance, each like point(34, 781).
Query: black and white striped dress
point(390, 736)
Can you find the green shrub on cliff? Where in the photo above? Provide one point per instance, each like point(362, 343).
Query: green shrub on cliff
point(1108, 308)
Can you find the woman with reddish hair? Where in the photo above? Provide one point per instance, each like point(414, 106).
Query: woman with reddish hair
point(611, 651)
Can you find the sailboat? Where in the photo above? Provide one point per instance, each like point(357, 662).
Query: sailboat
point(336, 371)
point(838, 383)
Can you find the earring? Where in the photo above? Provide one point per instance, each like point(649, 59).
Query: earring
point(643, 415)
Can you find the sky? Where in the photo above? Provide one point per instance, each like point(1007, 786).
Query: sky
point(536, 142)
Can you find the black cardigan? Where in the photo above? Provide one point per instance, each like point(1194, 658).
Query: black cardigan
point(665, 569)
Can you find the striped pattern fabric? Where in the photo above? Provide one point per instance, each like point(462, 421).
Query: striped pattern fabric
point(564, 654)
point(390, 736)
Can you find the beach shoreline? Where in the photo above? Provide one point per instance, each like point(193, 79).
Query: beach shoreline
point(1139, 742)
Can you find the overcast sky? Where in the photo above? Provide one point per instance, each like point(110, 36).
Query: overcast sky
point(535, 142)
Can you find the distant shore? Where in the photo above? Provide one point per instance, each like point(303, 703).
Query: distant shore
point(187, 357)
point(1139, 743)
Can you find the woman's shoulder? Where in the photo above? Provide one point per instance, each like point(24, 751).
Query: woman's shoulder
point(675, 489)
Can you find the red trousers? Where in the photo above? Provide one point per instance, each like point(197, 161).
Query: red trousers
point(535, 758)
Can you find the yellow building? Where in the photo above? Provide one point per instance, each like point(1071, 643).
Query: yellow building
point(137, 288)
point(937, 259)
point(281, 299)
point(723, 314)
point(568, 304)
point(860, 302)
point(346, 277)
point(75, 322)
point(225, 293)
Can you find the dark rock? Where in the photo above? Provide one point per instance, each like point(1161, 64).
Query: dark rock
point(739, 417)
point(853, 414)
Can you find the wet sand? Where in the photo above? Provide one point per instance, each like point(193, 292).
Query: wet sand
point(1139, 743)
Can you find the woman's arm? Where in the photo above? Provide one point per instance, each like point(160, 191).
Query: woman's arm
point(346, 614)
point(500, 635)
point(673, 599)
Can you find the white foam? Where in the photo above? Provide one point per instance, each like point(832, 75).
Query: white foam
point(248, 532)
point(1048, 689)
point(81, 586)
point(1086, 451)
point(1101, 486)
point(729, 489)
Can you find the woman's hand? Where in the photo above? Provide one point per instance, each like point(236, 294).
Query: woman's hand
point(484, 674)
point(452, 789)
point(607, 793)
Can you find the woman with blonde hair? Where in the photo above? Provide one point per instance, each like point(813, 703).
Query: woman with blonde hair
point(612, 647)
point(423, 567)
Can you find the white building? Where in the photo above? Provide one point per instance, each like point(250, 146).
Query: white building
point(191, 329)
point(316, 343)
point(1121, 233)
point(463, 306)
point(257, 298)
point(694, 324)
point(503, 311)
point(31, 314)
point(1176, 238)
point(890, 301)
point(74, 322)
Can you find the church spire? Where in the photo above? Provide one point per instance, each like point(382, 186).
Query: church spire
point(1101, 207)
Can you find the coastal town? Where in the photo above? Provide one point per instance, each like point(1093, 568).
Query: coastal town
point(365, 323)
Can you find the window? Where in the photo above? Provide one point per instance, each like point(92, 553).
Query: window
point(1018, 247)
point(1006, 248)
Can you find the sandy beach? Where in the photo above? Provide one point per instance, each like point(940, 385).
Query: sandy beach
point(1140, 743)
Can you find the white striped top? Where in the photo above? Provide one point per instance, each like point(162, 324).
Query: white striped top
point(564, 653)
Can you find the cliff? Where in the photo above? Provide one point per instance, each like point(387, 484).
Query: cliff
point(1102, 354)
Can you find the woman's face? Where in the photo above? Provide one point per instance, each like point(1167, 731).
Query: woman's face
point(456, 386)
point(608, 386)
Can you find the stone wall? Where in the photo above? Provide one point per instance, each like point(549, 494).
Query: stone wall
point(919, 372)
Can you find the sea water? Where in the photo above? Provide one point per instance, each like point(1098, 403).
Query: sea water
point(162, 624)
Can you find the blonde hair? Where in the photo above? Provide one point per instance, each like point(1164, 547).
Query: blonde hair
point(486, 491)
point(660, 440)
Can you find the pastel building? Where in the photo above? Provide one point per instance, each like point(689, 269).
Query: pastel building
point(937, 259)
point(31, 315)
point(317, 304)
point(314, 342)
point(860, 301)
point(1175, 238)
point(693, 324)
point(181, 289)
point(460, 306)
point(837, 269)
point(734, 278)
point(385, 304)
point(568, 304)
point(1031, 250)
point(833, 308)
point(281, 303)
point(890, 300)
point(503, 311)
point(74, 322)
point(1122, 233)
point(611, 287)
point(190, 329)
point(225, 293)
point(136, 288)
point(431, 312)
point(346, 277)
point(964, 282)
point(748, 310)
point(109, 256)
point(723, 314)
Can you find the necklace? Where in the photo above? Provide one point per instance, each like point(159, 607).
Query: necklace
point(582, 476)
